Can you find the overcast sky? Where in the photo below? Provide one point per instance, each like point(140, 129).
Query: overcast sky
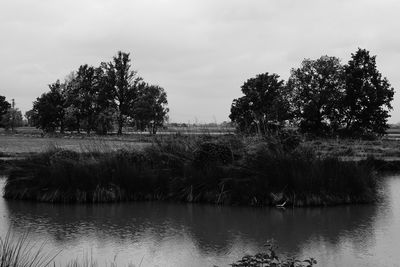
point(200, 51)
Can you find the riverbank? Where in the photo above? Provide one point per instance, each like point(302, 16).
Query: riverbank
point(230, 170)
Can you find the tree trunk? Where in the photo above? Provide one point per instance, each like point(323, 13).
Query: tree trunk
point(120, 124)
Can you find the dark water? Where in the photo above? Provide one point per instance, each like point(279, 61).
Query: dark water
point(164, 234)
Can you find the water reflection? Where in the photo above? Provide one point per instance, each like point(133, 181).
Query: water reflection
point(168, 234)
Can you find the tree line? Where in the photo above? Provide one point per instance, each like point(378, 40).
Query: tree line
point(322, 97)
point(97, 98)
point(10, 116)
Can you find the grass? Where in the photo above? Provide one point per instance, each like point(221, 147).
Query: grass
point(223, 170)
point(19, 252)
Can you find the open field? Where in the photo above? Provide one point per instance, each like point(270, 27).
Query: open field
point(29, 141)
point(352, 149)
point(16, 145)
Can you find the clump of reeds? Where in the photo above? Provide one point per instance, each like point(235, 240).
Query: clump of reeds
point(20, 252)
point(224, 170)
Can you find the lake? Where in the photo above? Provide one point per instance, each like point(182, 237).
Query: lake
point(173, 234)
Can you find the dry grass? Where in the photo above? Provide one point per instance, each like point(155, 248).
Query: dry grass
point(14, 145)
point(352, 149)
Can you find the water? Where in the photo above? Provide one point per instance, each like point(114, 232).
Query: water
point(167, 234)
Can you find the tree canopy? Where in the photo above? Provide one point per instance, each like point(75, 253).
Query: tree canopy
point(368, 96)
point(321, 97)
point(263, 106)
point(317, 88)
point(4, 106)
point(96, 98)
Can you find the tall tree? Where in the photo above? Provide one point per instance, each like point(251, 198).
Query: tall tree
point(264, 104)
point(150, 108)
point(317, 88)
point(124, 82)
point(82, 96)
point(367, 97)
point(105, 108)
point(4, 106)
point(49, 109)
point(12, 118)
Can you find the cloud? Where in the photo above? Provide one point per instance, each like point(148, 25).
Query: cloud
point(201, 52)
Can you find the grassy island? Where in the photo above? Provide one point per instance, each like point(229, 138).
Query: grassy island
point(224, 170)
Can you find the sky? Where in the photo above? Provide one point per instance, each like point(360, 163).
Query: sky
point(199, 51)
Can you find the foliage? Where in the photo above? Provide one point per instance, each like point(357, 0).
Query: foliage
point(81, 95)
point(4, 107)
point(124, 83)
point(150, 109)
point(322, 98)
point(12, 118)
point(368, 96)
point(49, 110)
point(96, 98)
point(317, 88)
point(263, 105)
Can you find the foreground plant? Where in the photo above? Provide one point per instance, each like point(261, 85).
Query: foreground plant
point(20, 252)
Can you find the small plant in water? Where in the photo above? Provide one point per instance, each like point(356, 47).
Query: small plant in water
point(270, 258)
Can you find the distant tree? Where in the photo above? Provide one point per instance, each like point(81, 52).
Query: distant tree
point(30, 116)
point(12, 118)
point(81, 96)
point(105, 106)
point(124, 81)
point(48, 111)
point(242, 115)
point(318, 89)
point(150, 108)
point(264, 106)
point(4, 107)
point(368, 96)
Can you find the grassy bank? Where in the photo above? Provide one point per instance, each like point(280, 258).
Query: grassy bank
point(226, 170)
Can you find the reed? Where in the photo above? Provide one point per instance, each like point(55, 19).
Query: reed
point(20, 252)
point(224, 170)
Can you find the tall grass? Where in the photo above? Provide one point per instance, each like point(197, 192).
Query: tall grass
point(228, 170)
point(20, 252)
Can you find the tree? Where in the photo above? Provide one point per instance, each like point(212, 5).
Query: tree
point(264, 106)
point(81, 96)
point(318, 88)
point(49, 109)
point(150, 109)
point(12, 118)
point(367, 96)
point(4, 107)
point(105, 108)
point(124, 81)
point(30, 116)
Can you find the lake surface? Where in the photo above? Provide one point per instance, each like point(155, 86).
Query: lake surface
point(168, 234)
